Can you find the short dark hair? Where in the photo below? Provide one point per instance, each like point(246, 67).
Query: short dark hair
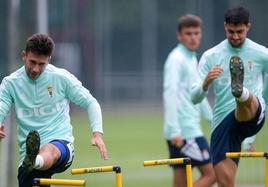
point(40, 44)
point(237, 15)
point(188, 20)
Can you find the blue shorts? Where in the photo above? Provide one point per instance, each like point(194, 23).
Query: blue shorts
point(196, 149)
point(67, 155)
point(230, 133)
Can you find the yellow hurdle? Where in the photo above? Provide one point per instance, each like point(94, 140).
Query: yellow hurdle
point(251, 155)
point(93, 170)
point(65, 182)
point(245, 154)
point(102, 169)
point(185, 161)
point(163, 162)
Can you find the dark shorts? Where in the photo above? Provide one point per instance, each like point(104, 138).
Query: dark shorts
point(67, 154)
point(196, 149)
point(230, 133)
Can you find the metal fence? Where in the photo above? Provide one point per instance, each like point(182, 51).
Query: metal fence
point(101, 40)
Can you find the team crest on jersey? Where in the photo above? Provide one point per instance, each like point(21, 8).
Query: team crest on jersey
point(250, 64)
point(50, 90)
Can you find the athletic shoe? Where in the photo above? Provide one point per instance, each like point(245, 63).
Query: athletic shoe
point(32, 149)
point(237, 75)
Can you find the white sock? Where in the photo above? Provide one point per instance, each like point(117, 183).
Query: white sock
point(39, 162)
point(244, 96)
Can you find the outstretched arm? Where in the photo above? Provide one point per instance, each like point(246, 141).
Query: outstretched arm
point(5, 100)
point(95, 118)
point(82, 97)
point(5, 104)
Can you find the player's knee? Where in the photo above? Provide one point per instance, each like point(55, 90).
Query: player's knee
point(50, 154)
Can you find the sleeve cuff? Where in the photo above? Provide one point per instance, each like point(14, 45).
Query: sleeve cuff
point(175, 134)
point(97, 129)
point(198, 94)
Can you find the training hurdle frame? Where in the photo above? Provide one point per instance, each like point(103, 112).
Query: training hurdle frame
point(61, 182)
point(102, 169)
point(186, 161)
point(251, 155)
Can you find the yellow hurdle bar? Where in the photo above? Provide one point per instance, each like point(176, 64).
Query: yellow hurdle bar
point(245, 154)
point(185, 161)
point(102, 169)
point(65, 182)
point(164, 162)
point(93, 170)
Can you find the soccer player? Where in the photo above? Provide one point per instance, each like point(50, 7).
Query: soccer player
point(181, 117)
point(234, 68)
point(41, 93)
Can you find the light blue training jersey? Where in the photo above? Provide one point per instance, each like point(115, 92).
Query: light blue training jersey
point(43, 104)
point(255, 60)
point(181, 116)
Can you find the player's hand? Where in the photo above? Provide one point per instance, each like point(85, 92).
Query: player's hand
point(213, 74)
point(97, 141)
point(2, 132)
point(177, 141)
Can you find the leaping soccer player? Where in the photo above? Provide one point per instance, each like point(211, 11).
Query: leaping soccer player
point(234, 68)
point(41, 93)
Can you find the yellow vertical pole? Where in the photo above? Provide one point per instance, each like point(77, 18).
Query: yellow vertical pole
point(189, 178)
point(118, 179)
point(266, 172)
